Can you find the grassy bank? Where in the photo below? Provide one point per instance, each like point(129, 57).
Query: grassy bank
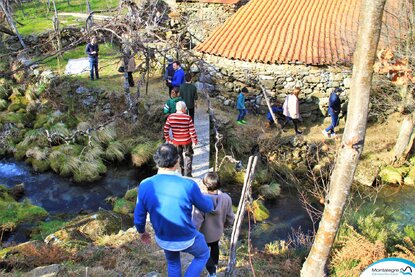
point(34, 18)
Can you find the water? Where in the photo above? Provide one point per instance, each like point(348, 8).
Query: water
point(286, 215)
point(60, 195)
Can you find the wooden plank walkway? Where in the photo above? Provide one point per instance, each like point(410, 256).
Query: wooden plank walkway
point(202, 149)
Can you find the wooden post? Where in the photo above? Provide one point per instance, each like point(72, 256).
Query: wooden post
point(249, 177)
point(11, 23)
point(264, 92)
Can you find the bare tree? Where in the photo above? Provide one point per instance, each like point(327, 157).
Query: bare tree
point(353, 138)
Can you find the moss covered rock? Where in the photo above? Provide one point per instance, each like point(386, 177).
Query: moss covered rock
point(131, 195)
point(13, 213)
point(391, 175)
point(123, 206)
point(85, 229)
point(409, 180)
point(260, 212)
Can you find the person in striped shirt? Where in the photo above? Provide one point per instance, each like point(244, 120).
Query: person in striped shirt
point(183, 136)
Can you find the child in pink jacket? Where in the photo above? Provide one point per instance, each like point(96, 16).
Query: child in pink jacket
point(212, 224)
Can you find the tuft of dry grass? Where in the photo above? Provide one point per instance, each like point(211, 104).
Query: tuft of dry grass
point(406, 251)
point(355, 254)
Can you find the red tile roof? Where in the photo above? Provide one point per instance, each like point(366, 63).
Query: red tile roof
point(288, 31)
point(220, 1)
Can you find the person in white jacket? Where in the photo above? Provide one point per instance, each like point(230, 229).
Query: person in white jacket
point(291, 110)
point(212, 224)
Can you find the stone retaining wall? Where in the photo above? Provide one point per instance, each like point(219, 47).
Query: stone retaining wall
point(226, 77)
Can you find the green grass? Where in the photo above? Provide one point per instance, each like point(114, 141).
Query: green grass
point(35, 18)
point(46, 228)
point(109, 62)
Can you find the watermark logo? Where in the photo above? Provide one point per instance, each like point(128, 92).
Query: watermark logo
point(390, 267)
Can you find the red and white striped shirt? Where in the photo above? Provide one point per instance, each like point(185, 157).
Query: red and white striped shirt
point(182, 128)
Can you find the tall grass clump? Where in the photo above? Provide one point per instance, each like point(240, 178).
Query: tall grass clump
point(143, 153)
point(115, 151)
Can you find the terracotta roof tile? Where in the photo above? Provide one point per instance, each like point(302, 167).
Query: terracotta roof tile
point(220, 1)
point(288, 31)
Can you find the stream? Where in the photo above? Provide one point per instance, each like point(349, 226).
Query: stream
point(57, 194)
point(61, 196)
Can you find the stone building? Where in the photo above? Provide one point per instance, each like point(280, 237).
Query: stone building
point(285, 43)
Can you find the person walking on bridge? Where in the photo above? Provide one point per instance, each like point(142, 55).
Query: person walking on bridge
point(169, 199)
point(183, 136)
point(188, 92)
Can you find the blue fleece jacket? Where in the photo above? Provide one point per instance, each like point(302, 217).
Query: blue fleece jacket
point(240, 102)
point(334, 104)
point(275, 110)
point(169, 198)
point(178, 78)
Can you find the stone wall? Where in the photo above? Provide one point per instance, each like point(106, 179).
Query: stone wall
point(226, 77)
point(203, 18)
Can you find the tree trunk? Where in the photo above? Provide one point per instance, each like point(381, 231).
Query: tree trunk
point(405, 139)
point(11, 23)
point(353, 138)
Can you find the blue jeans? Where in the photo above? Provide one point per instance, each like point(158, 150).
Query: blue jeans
point(93, 66)
point(199, 250)
point(334, 123)
point(242, 113)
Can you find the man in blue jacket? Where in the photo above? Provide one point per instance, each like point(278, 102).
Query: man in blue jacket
point(334, 111)
point(169, 198)
point(178, 77)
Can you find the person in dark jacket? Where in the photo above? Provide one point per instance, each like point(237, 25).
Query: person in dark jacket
point(168, 74)
point(92, 50)
point(188, 92)
point(334, 111)
point(169, 199)
point(276, 109)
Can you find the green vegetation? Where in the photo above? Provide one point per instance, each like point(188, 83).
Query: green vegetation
point(13, 213)
point(46, 228)
point(123, 206)
point(131, 195)
point(35, 18)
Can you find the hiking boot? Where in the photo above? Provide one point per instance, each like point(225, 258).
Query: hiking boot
point(239, 122)
point(298, 132)
point(333, 135)
point(325, 134)
point(243, 121)
point(211, 275)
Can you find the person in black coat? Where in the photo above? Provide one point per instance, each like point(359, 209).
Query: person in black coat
point(92, 50)
point(334, 111)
